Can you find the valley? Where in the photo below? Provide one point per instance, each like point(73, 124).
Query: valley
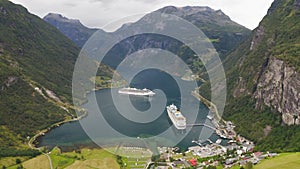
point(40, 126)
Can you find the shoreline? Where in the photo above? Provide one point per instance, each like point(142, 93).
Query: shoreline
point(40, 133)
point(57, 124)
point(211, 106)
point(44, 131)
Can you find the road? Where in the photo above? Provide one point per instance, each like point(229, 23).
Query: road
point(49, 158)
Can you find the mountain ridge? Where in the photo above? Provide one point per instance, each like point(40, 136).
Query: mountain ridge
point(195, 14)
point(72, 28)
point(223, 33)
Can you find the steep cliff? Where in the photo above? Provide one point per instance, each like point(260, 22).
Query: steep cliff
point(263, 79)
point(279, 88)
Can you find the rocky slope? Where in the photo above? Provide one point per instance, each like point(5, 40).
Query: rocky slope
point(279, 88)
point(263, 79)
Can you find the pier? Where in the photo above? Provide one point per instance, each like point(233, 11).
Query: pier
point(201, 124)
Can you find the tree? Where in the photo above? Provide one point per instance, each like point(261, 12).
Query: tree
point(20, 167)
point(171, 159)
point(249, 165)
point(120, 161)
point(155, 157)
point(211, 167)
point(78, 151)
point(18, 161)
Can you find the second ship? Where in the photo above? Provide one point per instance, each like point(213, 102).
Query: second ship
point(176, 117)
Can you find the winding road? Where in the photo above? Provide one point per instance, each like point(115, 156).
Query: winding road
point(49, 158)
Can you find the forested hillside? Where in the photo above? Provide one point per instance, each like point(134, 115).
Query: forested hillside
point(264, 80)
point(36, 67)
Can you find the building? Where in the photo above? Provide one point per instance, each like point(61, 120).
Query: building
point(193, 162)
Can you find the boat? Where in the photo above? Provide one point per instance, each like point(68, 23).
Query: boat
point(136, 92)
point(218, 141)
point(176, 117)
point(210, 117)
point(221, 134)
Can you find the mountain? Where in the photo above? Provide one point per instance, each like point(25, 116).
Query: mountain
point(32, 75)
point(72, 28)
point(36, 68)
point(264, 80)
point(224, 34)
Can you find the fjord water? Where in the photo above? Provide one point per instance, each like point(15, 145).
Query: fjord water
point(72, 134)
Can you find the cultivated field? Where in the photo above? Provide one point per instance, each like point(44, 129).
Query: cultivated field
point(282, 161)
point(81, 159)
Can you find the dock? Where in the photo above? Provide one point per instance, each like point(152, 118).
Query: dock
point(201, 124)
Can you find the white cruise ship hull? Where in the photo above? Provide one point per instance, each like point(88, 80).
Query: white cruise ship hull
point(175, 123)
point(136, 92)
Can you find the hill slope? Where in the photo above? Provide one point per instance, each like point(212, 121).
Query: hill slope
point(36, 67)
point(264, 80)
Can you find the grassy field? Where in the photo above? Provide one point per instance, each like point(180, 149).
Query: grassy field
point(82, 159)
point(96, 158)
point(60, 160)
point(40, 162)
point(134, 157)
point(283, 161)
point(8, 161)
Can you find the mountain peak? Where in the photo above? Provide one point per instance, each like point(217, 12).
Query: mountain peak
point(60, 18)
point(220, 12)
point(72, 28)
point(198, 14)
point(186, 10)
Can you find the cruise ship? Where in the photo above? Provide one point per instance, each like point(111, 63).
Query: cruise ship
point(176, 117)
point(136, 92)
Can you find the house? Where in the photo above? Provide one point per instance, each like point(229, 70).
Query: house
point(257, 154)
point(193, 162)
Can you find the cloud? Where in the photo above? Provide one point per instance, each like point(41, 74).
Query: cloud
point(70, 4)
point(113, 1)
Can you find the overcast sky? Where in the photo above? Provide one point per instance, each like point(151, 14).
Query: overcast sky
point(98, 13)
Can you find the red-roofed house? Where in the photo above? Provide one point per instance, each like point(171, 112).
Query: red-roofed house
point(193, 162)
point(257, 154)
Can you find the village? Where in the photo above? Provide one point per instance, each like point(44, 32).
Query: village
point(238, 152)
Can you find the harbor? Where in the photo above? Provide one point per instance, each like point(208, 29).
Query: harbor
point(75, 135)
